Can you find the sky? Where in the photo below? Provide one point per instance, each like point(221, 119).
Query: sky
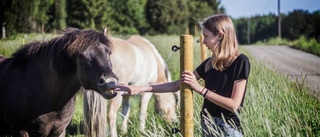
point(248, 8)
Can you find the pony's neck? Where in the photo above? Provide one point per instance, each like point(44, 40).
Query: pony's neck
point(64, 89)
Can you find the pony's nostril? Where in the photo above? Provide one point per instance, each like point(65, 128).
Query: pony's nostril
point(101, 81)
point(113, 84)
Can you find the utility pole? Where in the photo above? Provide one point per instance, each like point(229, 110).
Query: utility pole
point(3, 30)
point(248, 30)
point(279, 20)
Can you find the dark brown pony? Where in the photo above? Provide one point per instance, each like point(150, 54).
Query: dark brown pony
point(39, 82)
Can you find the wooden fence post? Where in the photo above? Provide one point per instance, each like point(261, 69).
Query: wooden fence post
point(203, 49)
point(186, 93)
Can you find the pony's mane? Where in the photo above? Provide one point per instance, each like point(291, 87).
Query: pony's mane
point(72, 42)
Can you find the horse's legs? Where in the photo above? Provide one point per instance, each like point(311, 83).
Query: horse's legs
point(125, 113)
point(177, 97)
point(145, 98)
point(114, 106)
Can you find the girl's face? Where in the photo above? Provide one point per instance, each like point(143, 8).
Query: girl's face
point(210, 39)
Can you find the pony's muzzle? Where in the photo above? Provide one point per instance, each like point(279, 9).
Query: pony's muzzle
point(108, 83)
point(106, 86)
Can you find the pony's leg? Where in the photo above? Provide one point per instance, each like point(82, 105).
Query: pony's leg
point(114, 106)
point(177, 97)
point(125, 113)
point(145, 98)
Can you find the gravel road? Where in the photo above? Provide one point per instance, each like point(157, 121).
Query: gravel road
point(289, 61)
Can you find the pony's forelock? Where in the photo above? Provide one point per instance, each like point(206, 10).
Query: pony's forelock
point(85, 39)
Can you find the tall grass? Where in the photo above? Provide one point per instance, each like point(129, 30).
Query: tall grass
point(273, 41)
point(277, 106)
point(274, 104)
point(308, 45)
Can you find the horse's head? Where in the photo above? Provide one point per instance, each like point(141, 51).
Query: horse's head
point(94, 67)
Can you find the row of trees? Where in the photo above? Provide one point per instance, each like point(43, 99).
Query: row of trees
point(295, 24)
point(147, 17)
point(121, 16)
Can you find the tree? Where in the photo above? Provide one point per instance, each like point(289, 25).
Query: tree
point(61, 14)
point(265, 27)
point(170, 17)
point(91, 14)
point(41, 13)
point(315, 21)
point(128, 16)
point(18, 16)
point(200, 9)
point(240, 25)
point(296, 24)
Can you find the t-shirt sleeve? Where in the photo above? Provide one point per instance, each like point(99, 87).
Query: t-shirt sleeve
point(242, 68)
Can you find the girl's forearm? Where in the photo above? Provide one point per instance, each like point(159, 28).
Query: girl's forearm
point(165, 87)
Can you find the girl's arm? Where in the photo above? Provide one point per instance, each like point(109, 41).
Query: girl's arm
point(157, 88)
point(232, 104)
point(165, 87)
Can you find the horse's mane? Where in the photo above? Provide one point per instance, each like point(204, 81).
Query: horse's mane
point(60, 48)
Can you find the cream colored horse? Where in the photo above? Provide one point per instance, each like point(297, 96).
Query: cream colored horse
point(136, 62)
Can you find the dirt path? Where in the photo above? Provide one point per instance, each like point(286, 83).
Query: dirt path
point(291, 62)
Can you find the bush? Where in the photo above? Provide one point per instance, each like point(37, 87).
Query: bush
point(311, 46)
point(273, 41)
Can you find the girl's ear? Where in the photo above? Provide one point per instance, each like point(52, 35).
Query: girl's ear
point(221, 35)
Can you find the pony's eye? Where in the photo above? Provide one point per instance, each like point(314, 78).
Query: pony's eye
point(108, 51)
point(81, 56)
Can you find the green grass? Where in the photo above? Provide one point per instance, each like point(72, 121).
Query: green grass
point(274, 104)
point(9, 45)
point(274, 41)
point(308, 45)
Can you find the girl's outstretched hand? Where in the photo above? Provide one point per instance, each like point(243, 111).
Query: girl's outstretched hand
point(128, 90)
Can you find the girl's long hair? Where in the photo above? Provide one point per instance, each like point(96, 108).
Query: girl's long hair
point(227, 50)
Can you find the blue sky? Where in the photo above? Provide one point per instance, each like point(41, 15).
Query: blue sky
point(248, 8)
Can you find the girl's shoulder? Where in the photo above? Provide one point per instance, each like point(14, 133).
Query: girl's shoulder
point(242, 57)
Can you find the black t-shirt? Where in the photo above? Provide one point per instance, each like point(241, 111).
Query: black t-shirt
point(222, 82)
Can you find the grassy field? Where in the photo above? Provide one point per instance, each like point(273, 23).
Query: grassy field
point(274, 105)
